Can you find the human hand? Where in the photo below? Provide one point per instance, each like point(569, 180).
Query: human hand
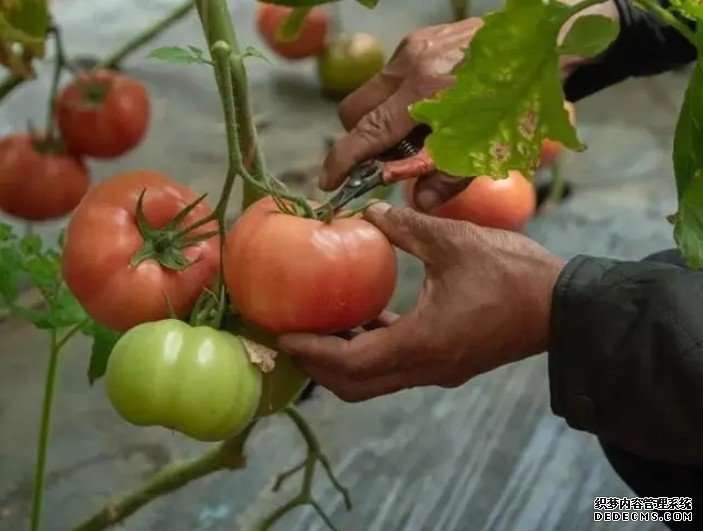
point(376, 116)
point(485, 302)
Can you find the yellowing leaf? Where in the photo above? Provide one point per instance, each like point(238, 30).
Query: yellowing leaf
point(507, 96)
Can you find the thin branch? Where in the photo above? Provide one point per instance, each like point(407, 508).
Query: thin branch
point(113, 60)
point(227, 456)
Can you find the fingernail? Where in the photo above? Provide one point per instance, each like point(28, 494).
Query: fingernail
point(427, 199)
point(378, 209)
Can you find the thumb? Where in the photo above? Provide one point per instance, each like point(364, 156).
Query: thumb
point(411, 231)
point(433, 190)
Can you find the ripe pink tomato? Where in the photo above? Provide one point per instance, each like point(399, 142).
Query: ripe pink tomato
point(293, 274)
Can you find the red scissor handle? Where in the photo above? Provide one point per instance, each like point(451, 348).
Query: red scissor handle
point(410, 168)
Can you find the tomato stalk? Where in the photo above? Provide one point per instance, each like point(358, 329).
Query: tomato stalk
point(113, 61)
point(217, 25)
point(305, 497)
point(227, 456)
point(56, 345)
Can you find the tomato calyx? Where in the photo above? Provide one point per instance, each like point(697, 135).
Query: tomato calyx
point(47, 145)
point(166, 245)
point(94, 90)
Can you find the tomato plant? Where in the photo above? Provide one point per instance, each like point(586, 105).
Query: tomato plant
point(344, 278)
point(311, 36)
point(103, 113)
point(38, 180)
point(501, 204)
point(551, 150)
point(128, 269)
point(349, 62)
point(196, 380)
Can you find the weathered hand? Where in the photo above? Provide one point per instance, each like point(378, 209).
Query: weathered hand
point(485, 302)
point(376, 116)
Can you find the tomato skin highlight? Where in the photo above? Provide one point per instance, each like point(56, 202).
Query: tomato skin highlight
point(500, 204)
point(37, 186)
point(311, 39)
point(290, 274)
point(196, 380)
point(103, 236)
point(348, 63)
point(107, 128)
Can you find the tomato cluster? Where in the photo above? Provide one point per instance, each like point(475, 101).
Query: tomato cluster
point(344, 63)
point(99, 114)
point(164, 254)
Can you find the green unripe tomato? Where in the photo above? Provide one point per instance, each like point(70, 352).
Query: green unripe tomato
point(348, 63)
point(196, 380)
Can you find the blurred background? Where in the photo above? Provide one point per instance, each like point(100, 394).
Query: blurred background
point(489, 455)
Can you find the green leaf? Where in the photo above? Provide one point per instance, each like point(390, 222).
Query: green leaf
point(290, 29)
point(103, 342)
point(692, 9)
point(253, 51)
point(589, 36)
point(24, 22)
point(175, 54)
point(509, 93)
point(368, 3)
point(688, 167)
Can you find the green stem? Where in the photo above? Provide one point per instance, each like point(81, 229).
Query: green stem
point(556, 192)
point(9, 84)
point(58, 68)
point(113, 60)
point(666, 16)
point(72, 332)
point(39, 474)
point(217, 23)
point(304, 497)
point(222, 60)
point(460, 9)
point(227, 456)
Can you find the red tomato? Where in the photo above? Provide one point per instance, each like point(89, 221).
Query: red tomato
point(36, 182)
point(291, 274)
point(103, 114)
point(103, 236)
point(310, 41)
point(502, 204)
point(552, 149)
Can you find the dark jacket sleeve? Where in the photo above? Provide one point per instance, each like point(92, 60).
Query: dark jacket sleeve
point(645, 46)
point(626, 355)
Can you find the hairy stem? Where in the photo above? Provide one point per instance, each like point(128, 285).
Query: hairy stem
point(44, 429)
point(227, 456)
point(113, 60)
point(217, 23)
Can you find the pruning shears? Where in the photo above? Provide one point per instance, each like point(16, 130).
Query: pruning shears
point(407, 160)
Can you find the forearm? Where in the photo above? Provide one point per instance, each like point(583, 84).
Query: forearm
point(626, 356)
